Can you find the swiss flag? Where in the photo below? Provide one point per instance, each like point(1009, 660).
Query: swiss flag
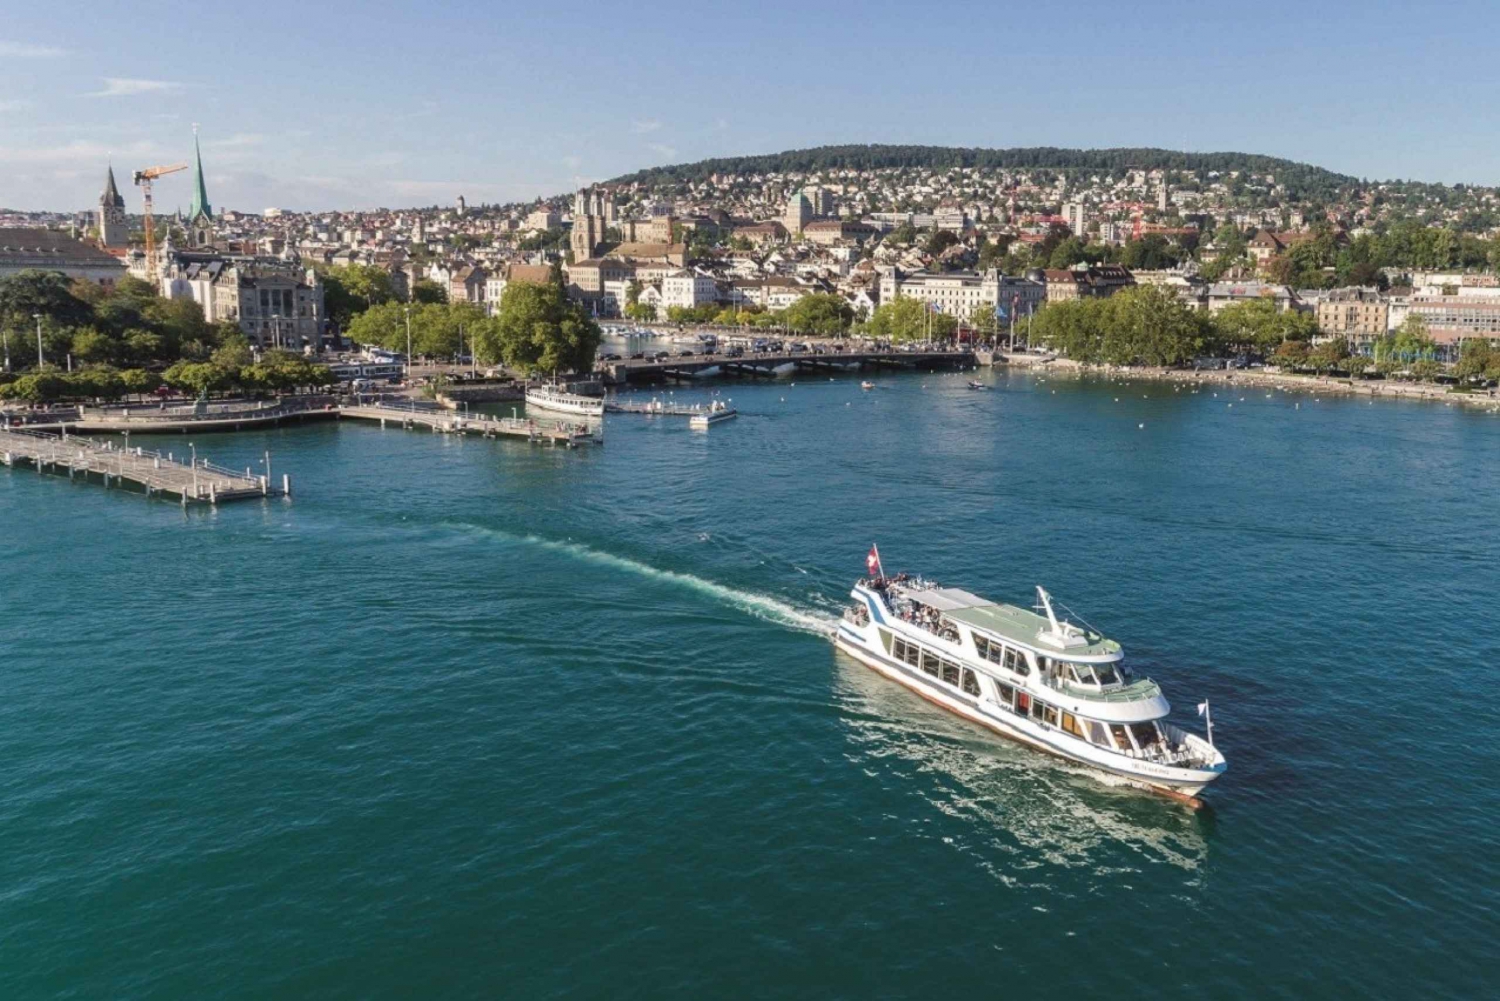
point(872, 562)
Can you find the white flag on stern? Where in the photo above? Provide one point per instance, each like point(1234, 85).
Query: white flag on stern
point(1202, 707)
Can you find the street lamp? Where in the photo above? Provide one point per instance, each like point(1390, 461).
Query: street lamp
point(407, 311)
point(195, 469)
point(38, 318)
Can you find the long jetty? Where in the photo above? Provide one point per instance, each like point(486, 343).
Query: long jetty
point(538, 431)
point(765, 363)
point(197, 481)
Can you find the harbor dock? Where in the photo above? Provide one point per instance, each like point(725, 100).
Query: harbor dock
point(655, 408)
point(539, 431)
point(197, 481)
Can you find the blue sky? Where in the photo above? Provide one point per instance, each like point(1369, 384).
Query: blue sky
point(331, 104)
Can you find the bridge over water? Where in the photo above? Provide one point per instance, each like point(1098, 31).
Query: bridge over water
point(765, 364)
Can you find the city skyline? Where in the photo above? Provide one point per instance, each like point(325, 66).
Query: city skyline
point(317, 108)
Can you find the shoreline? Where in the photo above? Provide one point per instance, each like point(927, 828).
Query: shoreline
point(1331, 385)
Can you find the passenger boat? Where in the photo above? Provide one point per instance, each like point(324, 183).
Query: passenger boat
point(1051, 684)
point(973, 384)
point(717, 413)
point(866, 385)
point(551, 396)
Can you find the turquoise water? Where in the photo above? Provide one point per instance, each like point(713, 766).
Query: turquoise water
point(468, 718)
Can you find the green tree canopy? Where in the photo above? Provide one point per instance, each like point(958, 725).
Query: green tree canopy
point(539, 330)
point(819, 313)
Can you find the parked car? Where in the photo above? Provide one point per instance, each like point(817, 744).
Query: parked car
point(638, 356)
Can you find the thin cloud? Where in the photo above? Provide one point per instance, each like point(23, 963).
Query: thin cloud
point(650, 125)
point(13, 104)
point(121, 87)
point(25, 50)
point(663, 149)
point(238, 141)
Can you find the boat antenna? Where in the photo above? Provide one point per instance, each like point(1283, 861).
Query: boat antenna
point(1046, 600)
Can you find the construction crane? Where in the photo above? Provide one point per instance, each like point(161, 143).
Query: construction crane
point(143, 178)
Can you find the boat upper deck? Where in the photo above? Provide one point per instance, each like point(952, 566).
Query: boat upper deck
point(1008, 622)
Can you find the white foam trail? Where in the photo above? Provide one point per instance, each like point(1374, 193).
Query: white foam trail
point(758, 605)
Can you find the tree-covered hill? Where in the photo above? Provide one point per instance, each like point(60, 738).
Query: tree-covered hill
point(1303, 177)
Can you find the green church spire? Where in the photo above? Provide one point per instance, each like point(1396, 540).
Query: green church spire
point(200, 205)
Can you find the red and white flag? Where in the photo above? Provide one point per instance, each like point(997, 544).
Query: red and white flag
point(872, 562)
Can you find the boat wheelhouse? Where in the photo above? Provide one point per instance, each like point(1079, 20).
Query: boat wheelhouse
point(1051, 684)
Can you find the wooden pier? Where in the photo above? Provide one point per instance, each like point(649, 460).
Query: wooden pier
point(197, 481)
point(538, 431)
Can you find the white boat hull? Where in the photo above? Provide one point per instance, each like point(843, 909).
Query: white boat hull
point(1178, 782)
point(590, 409)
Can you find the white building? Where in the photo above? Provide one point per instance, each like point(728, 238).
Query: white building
point(959, 293)
point(688, 289)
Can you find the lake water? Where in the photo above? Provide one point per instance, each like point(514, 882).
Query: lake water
point(469, 718)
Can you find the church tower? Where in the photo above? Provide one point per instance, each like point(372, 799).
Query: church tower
point(113, 229)
point(588, 224)
point(200, 222)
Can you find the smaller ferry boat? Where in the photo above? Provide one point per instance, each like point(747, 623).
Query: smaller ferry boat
point(717, 413)
point(866, 385)
point(1045, 682)
point(974, 384)
point(551, 396)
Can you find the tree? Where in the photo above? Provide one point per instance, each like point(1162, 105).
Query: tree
point(539, 329)
point(939, 241)
point(901, 319)
point(139, 381)
point(1260, 324)
point(90, 346)
point(641, 312)
point(198, 378)
point(232, 355)
point(49, 293)
point(819, 313)
point(1475, 357)
point(427, 291)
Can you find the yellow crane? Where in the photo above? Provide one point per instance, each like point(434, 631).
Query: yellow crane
point(143, 178)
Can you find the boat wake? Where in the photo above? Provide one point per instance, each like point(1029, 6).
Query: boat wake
point(759, 605)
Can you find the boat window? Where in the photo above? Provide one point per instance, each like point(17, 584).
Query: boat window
point(1097, 734)
point(950, 672)
point(1023, 702)
point(971, 683)
point(1107, 675)
point(1122, 739)
point(981, 646)
point(1145, 734)
point(906, 652)
point(1036, 709)
point(1070, 724)
point(1016, 661)
point(1049, 714)
point(930, 662)
point(1007, 693)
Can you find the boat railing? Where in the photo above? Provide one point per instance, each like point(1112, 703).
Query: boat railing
point(1133, 692)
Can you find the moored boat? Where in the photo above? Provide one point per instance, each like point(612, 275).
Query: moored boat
point(1051, 684)
point(550, 396)
point(717, 413)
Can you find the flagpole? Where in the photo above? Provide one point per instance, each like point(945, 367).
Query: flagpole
point(1208, 716)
